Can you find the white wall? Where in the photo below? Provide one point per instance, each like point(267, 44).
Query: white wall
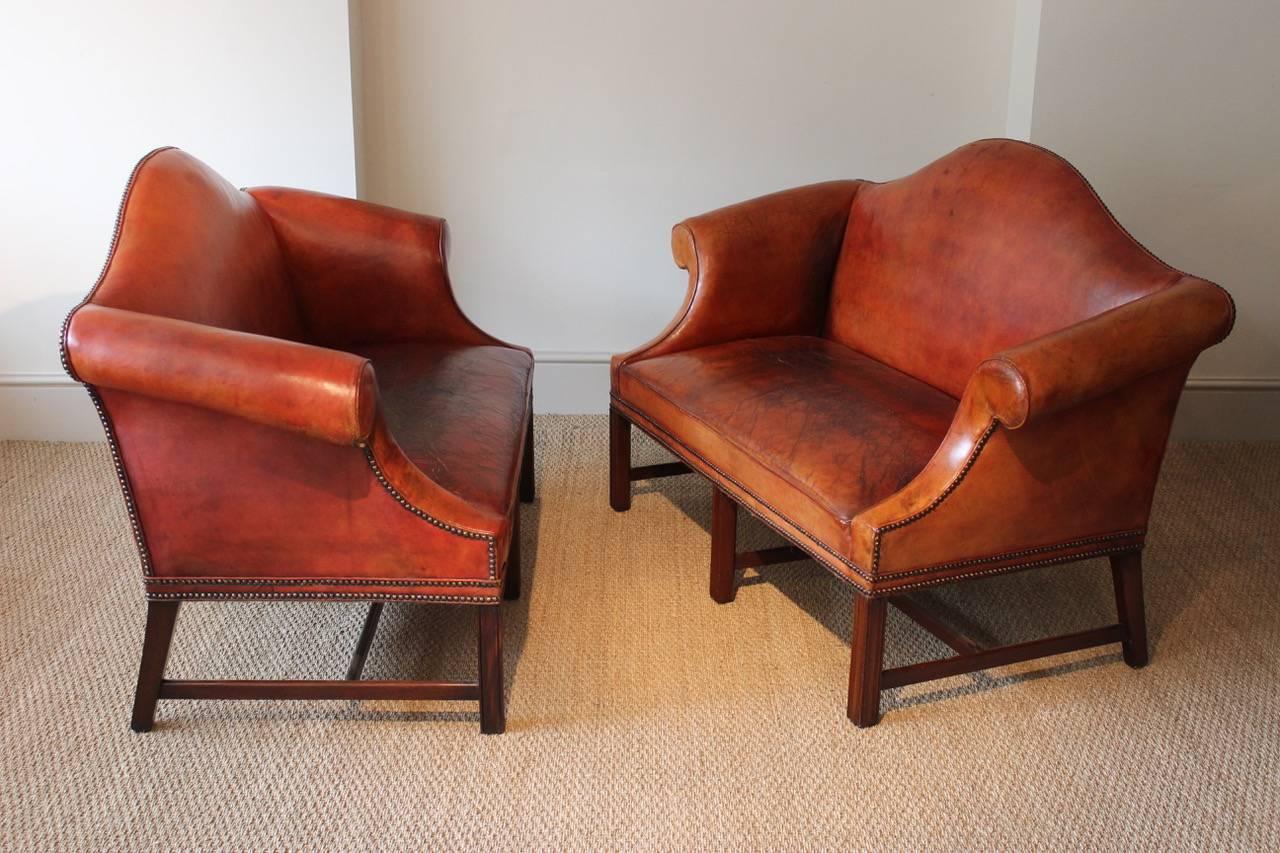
point(260, 91)
point(1022, 68)
point(563, 139)
point(1172, 109)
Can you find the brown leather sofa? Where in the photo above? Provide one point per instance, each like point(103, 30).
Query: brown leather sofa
point(298, 409)
point(967, 371)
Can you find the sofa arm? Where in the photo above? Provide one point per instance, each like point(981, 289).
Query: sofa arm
point(1103, 353)
point(319, 392)
point(367, 273)
point(762, 267)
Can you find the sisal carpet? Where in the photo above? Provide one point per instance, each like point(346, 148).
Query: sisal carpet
point(640, 714)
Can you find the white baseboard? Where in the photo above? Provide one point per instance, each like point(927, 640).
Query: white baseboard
point(50, 407)
point(1229, 410)
point(571, 383)
point(46, 407)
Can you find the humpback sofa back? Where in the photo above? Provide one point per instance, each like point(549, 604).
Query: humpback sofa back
point(195, 248)
point(996, 244)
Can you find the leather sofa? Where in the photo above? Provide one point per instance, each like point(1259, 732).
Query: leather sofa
point(298, 409)
point(967, 371)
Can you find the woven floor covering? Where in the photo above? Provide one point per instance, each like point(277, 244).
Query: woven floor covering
point(641, 715)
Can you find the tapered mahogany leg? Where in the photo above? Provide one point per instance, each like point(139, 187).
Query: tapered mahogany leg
point(161, 618)
point(367, 633)
point(866, 659)
point(493, 716)
point(619, 461)
point(724, 546)
point(1126, 573)
point(527, 491)
point(511, 585)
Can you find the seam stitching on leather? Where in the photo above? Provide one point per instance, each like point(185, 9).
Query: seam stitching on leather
point(106, 264)
point(222, 580)
point(1022, 380)
point(1102, 204)
point(489, 539)
point(356, 432)
point(1231, 309)
point(322, 596)
point(1116, 222)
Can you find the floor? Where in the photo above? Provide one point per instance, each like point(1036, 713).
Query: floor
point(640, 713)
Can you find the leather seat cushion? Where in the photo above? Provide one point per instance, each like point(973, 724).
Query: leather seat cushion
point(810, 427)
point(458, 412)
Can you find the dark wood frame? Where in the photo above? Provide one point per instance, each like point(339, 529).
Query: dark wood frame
point(162, 618)
point(867, 677)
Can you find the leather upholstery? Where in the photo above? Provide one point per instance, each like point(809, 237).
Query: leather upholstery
point(759, 268)
point(824, 431)
point(364, 273)
point(999, 367)
point(323, 393)
point(297, 405)
point(190, 246)
point(993, 245)
point(459, 414)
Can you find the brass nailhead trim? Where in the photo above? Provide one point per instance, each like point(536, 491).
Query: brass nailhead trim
point(195, 580)
point(131, 507)
point(975, 561)
point(318, 596)
point(1069, 558)
point(805, 546)
point(490, 540)
point(935, 503)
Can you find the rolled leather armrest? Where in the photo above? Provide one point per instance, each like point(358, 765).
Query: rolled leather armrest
point(1105, 352)
point(322, 393)
point(761, 267)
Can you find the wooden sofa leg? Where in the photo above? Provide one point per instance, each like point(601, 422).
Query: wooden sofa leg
point(161, 618)
point(866, 659)
point(493, 716)
point(527, 490)
point(1126, 573)
point(511, 583)
point(619, 461)
point(724, 546)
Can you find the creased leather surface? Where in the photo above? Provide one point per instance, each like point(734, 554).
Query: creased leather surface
point(762, 267)
point(818, 426)
point(458, 413)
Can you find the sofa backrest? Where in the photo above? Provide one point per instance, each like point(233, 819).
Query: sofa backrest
point(191, 246)
point(995, 244)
